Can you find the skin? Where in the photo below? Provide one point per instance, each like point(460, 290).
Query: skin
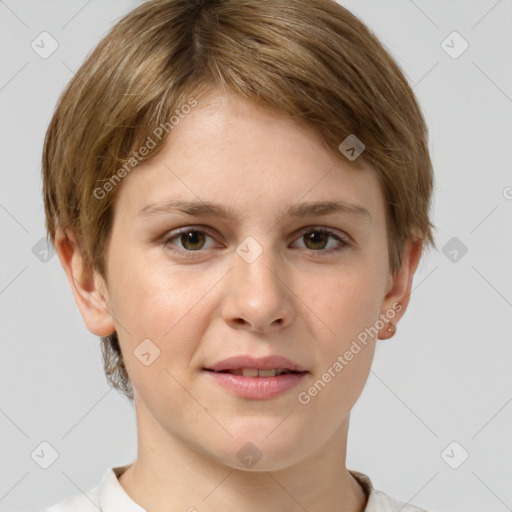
point(300, 299)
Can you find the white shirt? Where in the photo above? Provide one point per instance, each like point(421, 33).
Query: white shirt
point(109, 496)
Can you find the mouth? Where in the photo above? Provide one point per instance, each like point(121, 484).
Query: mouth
point(257, 372)
point(249, 366)
point(256, 378)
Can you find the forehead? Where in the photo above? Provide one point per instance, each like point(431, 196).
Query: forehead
point(228, 150)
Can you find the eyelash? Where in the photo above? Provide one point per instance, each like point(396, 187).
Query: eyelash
point(169, 237)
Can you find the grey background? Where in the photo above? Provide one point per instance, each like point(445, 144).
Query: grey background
point(444, 377)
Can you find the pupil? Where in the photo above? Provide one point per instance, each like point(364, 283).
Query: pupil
point(190, 238)
point(313, 237)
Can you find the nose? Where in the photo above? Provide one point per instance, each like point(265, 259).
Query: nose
point(259, 296)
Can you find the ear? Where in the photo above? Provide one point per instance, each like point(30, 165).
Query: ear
point(399, 286)
point(89, 289)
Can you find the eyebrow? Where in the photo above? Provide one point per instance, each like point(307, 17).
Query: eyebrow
point(209, 209)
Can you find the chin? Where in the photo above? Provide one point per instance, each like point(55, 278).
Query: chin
point(261, 446)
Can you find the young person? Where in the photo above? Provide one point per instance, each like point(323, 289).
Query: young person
point(239, 195)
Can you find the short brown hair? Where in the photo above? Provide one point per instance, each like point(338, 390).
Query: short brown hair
point(311, 60)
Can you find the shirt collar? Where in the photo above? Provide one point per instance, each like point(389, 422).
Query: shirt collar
point(112, 497)
point(374, 502)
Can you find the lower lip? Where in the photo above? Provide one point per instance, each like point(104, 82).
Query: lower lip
point(257, 388)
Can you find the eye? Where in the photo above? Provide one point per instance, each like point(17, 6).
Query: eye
point(316, 239)
point(191, 239)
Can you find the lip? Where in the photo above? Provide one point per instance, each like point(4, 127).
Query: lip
point(256, 388)
point(261, 363)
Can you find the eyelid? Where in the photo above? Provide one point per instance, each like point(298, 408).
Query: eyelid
point(341, 235)
point(344, 239)
point(165, 240)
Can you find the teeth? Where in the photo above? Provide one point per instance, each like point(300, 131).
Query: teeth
point(267, 373)
point(254, 372)
point(250, 372)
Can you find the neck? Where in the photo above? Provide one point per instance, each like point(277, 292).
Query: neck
point(169, 474)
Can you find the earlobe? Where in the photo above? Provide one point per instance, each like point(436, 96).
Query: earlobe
point(398, 295)
point(87, 286)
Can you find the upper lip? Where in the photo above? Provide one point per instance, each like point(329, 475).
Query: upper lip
point(261, 363)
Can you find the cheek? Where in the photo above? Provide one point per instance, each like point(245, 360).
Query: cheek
point(348, 306)
point(169, 304)
point(346, 302)
point(153, 299)
point(156, 316)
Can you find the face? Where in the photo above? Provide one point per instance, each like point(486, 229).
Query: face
point(272, 279)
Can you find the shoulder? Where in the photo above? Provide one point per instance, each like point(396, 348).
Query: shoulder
point(384, 503)
point(107, 496)
point(80, 503)
point(379, 501)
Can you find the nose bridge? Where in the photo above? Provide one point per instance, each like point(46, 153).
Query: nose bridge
point(259, 296)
